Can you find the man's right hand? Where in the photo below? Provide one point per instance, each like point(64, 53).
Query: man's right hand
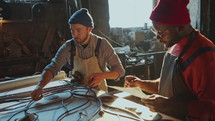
point(37, 93)
point(132, 81)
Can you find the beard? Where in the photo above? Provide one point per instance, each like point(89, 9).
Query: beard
point(80, 41)
point(175, 38)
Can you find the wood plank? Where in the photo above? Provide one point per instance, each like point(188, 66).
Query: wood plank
point(48, 40)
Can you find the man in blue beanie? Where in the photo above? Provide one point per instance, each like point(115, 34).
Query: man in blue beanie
point(90, 56)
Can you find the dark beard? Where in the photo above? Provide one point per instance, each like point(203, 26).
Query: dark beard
point(174, 42)
point(85, 39)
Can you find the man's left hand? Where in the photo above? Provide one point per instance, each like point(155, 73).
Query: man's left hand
point(156, 103)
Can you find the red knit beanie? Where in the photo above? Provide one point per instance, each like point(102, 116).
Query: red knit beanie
point(171, 12)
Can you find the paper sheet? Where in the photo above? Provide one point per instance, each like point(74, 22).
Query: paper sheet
point(135, 91)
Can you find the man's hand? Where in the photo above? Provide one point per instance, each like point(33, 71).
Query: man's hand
point(37, 93)
point(95, 79)
point(172, 106)
point(156, 103)
point(132, 81)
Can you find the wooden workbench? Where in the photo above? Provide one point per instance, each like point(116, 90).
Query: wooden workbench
point(63, 103)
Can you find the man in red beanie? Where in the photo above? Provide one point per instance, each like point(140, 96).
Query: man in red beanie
point(185, 88)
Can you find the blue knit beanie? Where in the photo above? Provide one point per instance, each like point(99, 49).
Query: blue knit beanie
point(83, 17)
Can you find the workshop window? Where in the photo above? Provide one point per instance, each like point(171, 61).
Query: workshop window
point(130, 13)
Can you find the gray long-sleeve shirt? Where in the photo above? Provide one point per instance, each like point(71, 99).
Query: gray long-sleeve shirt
point(106, 56)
